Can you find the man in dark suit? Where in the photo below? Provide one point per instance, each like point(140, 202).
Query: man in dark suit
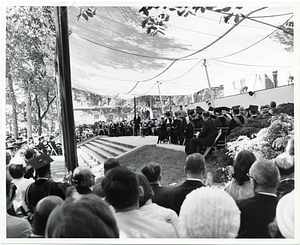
point(152, 171)
point(194, 169)
point(208, 133)
point(259, 211)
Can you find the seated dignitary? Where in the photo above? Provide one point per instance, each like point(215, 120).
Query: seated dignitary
point(152, 210)
point(237, 119)
point(15, 227)
point(152, 171)
point(44, 185)
point(222, 120)
point(209, 213)
point(82, 216)
point(122, 191)
point(258, 211)
point(84, 179)
point(43, 209)
point(194, 169)
point(208, 133)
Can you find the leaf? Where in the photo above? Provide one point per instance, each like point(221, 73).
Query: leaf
point(202, 10)
point(144, 22)
point(94, 13)
point(85, 16)
point(78, 16)
point(161, 32)
point(239, 7)
point(90, 14)
point(157, 7)
point(226, 9)
point(142, 9)
point(180, 13)
point(148, 30)
point(226, 18)
point(161, 23)
point(186, 14)
point(236, 18)
point(209, 8)
point(167, 18)
point(146, 12)
point(218, 10)
point(172, 9)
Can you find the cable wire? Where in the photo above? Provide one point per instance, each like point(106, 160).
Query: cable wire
point(251, 44)
point(219, 38)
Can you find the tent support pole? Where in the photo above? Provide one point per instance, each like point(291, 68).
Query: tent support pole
point(64, 80)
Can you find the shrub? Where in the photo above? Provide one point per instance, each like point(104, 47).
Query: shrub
point(269, 142)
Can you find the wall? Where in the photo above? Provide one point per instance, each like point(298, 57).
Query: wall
point(280, 95)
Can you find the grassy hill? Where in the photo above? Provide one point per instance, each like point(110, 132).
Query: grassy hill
point(172, 162)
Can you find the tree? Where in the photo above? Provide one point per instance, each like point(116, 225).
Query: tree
point(30, 53)
point(155, 23)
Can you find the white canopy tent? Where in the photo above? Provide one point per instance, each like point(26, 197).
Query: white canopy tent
point(111, 54)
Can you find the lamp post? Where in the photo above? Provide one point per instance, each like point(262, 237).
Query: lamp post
point(210, 90)
point(161, 102)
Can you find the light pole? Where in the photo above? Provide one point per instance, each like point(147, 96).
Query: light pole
point(210, 90)
point(161, 102)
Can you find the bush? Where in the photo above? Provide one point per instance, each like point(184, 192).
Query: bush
point(269, 142)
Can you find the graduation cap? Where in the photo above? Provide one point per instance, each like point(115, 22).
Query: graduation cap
point(218, 109)
point(190, 112)
point(199, 109)
point(40, 161)
point(235, 108)
point(253, 108)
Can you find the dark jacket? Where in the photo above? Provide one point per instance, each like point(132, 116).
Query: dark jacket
point(161, 195)
point(209, 131)
point(179, 193)
point(256, 214)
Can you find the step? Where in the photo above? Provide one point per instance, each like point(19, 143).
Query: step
point(103, 152)
point(108, 148)
point(93, 155)
point(108, 140)
point(115, 145)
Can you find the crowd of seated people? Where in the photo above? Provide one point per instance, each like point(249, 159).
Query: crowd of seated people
point(257, 203)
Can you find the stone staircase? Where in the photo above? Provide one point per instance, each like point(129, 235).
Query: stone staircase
point(96, 150)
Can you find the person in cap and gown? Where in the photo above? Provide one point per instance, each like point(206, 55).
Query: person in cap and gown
point(237, 119)
point(253, 111)
point(43, 185)
point(189, 131)
point(221, 120)
point(207, 136)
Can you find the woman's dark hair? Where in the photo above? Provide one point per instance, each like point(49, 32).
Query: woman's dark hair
point(86, 216)
point(241, 166)
point(120, 187)
point(16, 171)
point(148, 192)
